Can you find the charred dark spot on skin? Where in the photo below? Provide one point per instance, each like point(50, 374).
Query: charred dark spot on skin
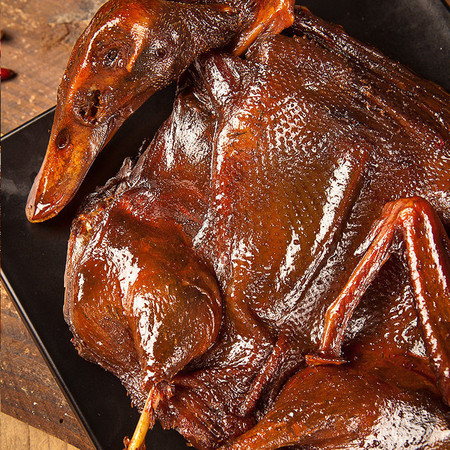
point(88, 112)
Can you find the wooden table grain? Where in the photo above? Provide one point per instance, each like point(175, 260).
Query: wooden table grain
point(38, 36)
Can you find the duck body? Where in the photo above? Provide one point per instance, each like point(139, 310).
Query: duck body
point(208, 268)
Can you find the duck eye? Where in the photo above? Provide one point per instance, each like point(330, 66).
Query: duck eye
point(161, 52)
point(111, 56)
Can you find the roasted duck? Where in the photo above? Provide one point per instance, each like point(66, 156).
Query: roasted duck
point(131, 49)
point(274, 270)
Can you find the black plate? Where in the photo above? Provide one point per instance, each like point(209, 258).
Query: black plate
point(415, 32)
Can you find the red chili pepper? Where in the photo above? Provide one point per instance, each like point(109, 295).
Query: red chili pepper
point(6, 74)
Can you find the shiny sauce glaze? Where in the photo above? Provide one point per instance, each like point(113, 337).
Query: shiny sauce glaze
point(205, 270)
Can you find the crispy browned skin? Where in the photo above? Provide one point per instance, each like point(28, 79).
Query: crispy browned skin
point(285, 189)
point(130, 50)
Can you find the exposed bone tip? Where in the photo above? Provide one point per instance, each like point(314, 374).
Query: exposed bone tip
point(146, 420)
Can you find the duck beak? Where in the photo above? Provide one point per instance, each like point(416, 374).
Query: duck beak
point(78, 135)
point(93, 102)
point(70, 153)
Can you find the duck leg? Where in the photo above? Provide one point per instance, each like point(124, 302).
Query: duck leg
point(427, 253)
point(331, 407)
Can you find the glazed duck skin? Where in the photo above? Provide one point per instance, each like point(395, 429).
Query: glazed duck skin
point(304, 183)
point(130, 50)
point(96, 306)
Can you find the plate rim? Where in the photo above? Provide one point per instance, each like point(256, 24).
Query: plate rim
point(28, 323)
point(48, 360)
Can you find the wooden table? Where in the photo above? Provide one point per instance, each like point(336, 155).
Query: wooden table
point(38, 38)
